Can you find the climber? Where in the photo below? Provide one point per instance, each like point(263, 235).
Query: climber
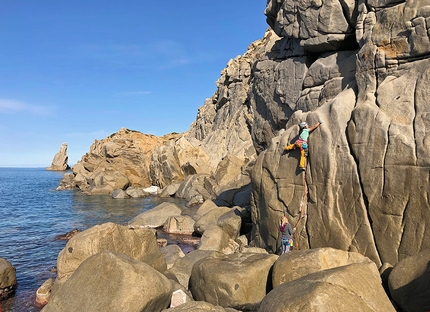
point(287, 234)
point(302, 142)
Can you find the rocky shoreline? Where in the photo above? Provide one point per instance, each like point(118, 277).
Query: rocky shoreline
point(360, 207)
point(114, 267)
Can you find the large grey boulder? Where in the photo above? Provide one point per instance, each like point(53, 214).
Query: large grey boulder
point(179, 225)
point(8, 281)
point(60, 161)
point(108, 182)
point(210, 218)
point(157, 216)
point(198, 306)
point(214, 238)
point(181, 270)
point(293, 265)
point(409, 282)
point(238, 281)
point(172, 253)
point(110, 281)
point(354, 287)
point(207, 206)
point(137, 243)
point(193, 187)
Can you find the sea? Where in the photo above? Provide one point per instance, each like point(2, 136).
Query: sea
point(32, 216)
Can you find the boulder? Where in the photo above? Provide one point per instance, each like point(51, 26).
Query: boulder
point(210, 218)
point(152, 190)
point(207, 206)
point(119, 194)
point(179, 225)
point(170, 190)
point(409, 282)
point(214, 238)
point(43, 293)
point(179, 297)
point(139, 244)
point(353, 287)
point(110, 281)
point(181, 270)
point(239, 281)
point(194, 186)
point(235, 197)
point(198, 306)
point(60, 161)
point(293, 265)
point(8, 281)
point(156, 216)
point(136, 192)
point(107, 182)
point(171, 253)
point(231, 222)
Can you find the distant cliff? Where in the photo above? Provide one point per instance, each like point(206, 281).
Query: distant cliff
point(362, 67)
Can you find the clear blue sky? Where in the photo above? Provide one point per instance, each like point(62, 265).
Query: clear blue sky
point(75, 71)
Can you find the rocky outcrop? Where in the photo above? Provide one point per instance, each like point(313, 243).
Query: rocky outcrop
point(60, 161)
point(116, 162)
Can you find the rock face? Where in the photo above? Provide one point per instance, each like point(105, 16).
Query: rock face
point(367, 175)
point(60, 161)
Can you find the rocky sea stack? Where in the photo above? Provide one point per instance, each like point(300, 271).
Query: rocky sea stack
point(361, 67)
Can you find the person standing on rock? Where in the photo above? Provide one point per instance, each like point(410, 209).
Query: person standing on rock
point(287, 234)
point(302, 142)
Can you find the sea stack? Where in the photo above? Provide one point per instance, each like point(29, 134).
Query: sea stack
point(59, 163)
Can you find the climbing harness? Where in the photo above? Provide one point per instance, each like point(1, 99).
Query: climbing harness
point(303, 208)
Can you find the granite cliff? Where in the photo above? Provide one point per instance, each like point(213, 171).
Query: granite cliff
point(360, 66)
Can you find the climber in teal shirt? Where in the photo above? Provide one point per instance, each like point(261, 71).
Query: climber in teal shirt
point(302, 142)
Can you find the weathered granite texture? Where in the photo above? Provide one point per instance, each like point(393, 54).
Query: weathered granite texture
point(368, 170)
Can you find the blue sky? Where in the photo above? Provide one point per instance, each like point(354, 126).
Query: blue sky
point(76, 71)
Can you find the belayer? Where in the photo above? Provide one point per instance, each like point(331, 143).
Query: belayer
point(287, 233)
point(302, 142)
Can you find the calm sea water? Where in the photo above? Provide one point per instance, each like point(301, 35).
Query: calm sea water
point(33, 214)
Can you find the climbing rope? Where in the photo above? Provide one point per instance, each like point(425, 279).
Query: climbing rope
point(303, 206)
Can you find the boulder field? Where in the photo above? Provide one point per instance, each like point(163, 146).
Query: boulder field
point(361, 67)
point(112, 267)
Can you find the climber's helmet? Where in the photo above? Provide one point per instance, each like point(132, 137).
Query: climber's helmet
point(303, 125)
